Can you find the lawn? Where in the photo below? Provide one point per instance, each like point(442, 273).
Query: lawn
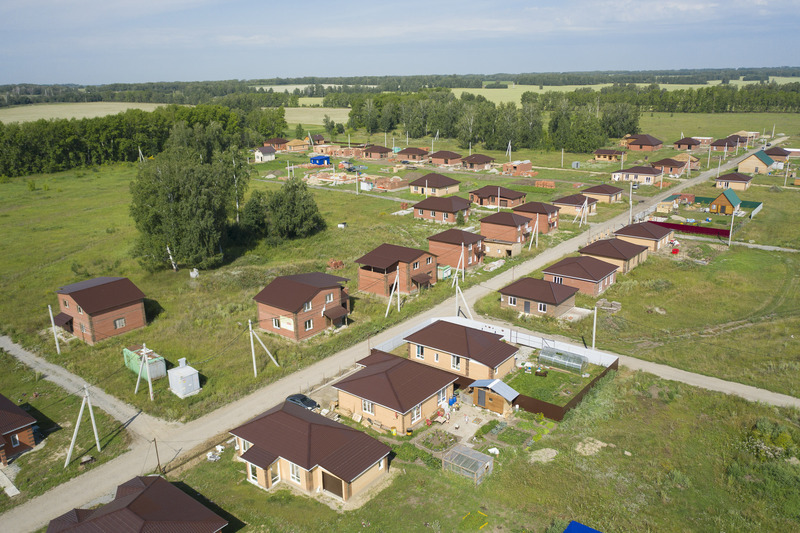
point(28, 113)
point(558, 387)
point(56, 412)
point(687, 463)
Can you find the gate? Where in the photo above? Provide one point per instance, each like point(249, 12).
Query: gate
point(332, 484)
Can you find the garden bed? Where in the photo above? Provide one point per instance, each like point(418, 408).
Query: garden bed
point(558, 387)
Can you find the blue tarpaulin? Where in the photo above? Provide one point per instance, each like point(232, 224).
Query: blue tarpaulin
point(577, 527)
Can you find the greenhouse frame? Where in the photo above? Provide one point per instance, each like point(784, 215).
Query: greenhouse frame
point(571, 362)
point(468, 463)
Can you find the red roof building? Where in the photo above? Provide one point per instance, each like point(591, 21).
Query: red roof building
point(413, 268)
point(626, 255)
point(445, 157)
point(546, 213)
point(649, 234)
point(604, 193)
point(16, 430)
point(477, 162)
point(412, 154)
point(589, 275)
point(575, 204)
point(538, 297)
point(456, 246)
point(492, 196)
point(645, 143)
point(377, 152)
point(441, 209)
point(434, 184)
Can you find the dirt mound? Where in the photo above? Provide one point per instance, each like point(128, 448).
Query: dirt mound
point(545, 455)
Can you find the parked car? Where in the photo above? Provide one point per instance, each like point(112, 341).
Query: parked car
point(303, 401)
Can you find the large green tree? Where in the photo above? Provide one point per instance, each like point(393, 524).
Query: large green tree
point(293, 211)
point(620, 120)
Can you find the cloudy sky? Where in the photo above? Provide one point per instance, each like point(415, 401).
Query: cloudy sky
point(106, 41)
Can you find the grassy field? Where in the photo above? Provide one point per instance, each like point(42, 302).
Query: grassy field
point(315, 115)
point(30, 113)
point(557, 387)
point(55, 412)
point(688, 470)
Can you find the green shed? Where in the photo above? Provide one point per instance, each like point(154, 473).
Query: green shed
point(133, 360)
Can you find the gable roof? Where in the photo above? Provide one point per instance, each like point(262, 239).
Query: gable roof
point(267, 150)
point(291, 292)
point(604, 189)
point(411, 150)
point(488, 191)
point(735, 176)
point(387, 255)
point(537, 208)
point(478, 159)
point(777, 151)
point(645, 140)
point(504, 218)
point(445, 154)
point(539, 290)
point(583, 267)
point(395, 382)
point(457, 236)
point(297, 142)
point(640, 170)
point(98, 294)
point(447, 204)
point(481, 346)
point(614, 249)
point(688, 140)
point(148, 504)
point(727, 141)
point(497, 386)
point(669, 162)
point(604, 151)
point(576, 200)
point(12, 417)
point(377, 149)
point(731, 197)
point(308, 439)
point(276, 140)
point(434, 180)
point(764, 158)
point(644, 230)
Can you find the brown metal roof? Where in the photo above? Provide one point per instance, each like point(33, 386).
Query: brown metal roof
point(614, 249)
point(144, 504)
point(687, 140)
point(644, 230)
point(291, 292)
point(669, 162)
point(735, 176)
point(377, 149)
point(434, 180)
point(387, 255)
point(457, 236)
point(337, 311)
point(777, 151)
point(395, 382)
point(583, 267)
point(266, 150)
point(477, 159)
point(504, 218)
point(576, 200)
point(604, 151)
point(411, 150)
point(12, 416)
point(645, 140)
point(640, 170)
point(309, 440)
point(481, 346)
point(276, 140)
point(539, 290)
point(537, 208)
point(99, 294)
point(605, 189)
point(490, 190)
point(728, 141)
point(448, 204)
point(61, 319)
point(445, 154)
point(422, 278)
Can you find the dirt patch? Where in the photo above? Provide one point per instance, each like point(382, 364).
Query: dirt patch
point(545, 455)
point(590, 446)
point(793, 461)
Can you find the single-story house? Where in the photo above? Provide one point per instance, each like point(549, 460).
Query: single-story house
point(687, 143)
point(574, 204)
point(670, 166)
point(302, 305)
point(16, 430)
point(546, 213)
point(694, 162)
point(99, 308)
point(413, 154)
point(144, 503)
point(494, 395)
point(604, 154)
point(377, 152)
point(297, 145)
point(492, 196)
point(468, 352)
point(757, 163)
point(734, 180)
point(645, 143)
point(538, 297)
point(293, 445)
point(445, 157)
point(264, 154)
point(320, 159)
point(434, 184)
point(517, 167)
point(604, 193)
point(652, 235)
point(777, 153)
point(278, 143)
point(477, 162)
point(441, 209)
point(589, 275)
point(726, 203)
point(505, 233)
point(704, 141)
point(728, 144)
point(626, 255)
point(448, 246)
point(380, 267)
point(395, 392)
point(643, 175)
point(316, 138)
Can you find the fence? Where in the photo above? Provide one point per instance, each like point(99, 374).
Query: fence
point(700, 230)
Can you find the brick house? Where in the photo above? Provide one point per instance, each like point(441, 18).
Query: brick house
point(546, 213)
point(441, 209)
point(413, 154)
point(538, 297)
point(461, 350)
point(490, 195)
point(605, 155)
point(728, 144)
point(395, 392)
point(626, 255)
point(477, 162)
point(377, 152)
point(604, 193)
point(448, 246)
point(652, 235)
point(292, 445)
point(670, 166)
point(733, 180)
point(16, 430)
point(434, 184)
point(589, 275)
point(300, 306)
point(687, 143)
point(781, 155)
point(263, 154)
point(505, 233)
point(445, 157)
point(757, 163)
point(379, 268)
point(99, 308)
point(278, 143)
point(574, 204)
point(516, 168)
point(645, 143)
point(643, 175)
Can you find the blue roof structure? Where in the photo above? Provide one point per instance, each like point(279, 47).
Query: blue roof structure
point(320, 159)
point(497, 386)
point(577, 527)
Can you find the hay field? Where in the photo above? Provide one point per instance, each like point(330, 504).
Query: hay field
point(28, 113)
point(314, 115)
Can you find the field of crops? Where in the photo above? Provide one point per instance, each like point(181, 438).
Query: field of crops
point(69, 110)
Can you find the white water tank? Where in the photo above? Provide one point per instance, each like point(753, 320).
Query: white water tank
point(183, 380)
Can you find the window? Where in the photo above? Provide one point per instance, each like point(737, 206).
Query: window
point(380, 464)
point(429, 260)
point(66, 304)
point(307, 306)
point(245, 445)
point(80, 311)
point(470, 247)
point(416, 188)
point(368, 407)
point(328, 298)
point(441, 396)
point(420, 352)
point(251, 472)
point(309, 324)
point(433, 214)
point(558, 279)
point(83, 328)
point(455, 362)
point(119, 323)
point(469, 259)
point(295, 473)
point(512, 300)
point(14, 440)
point(415, 265)
point(542, 307)
point(416, 414)
point(445, 216)
point(276, 323)
point(421, 212)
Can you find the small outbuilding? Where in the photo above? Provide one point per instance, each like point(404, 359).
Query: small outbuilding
point(571, 362)
point(184, 381)
point(319, 159)
point(726, 203)
point(155, 363)
point(469, 463)
point(494, 395)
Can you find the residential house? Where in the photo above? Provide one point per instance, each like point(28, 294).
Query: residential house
point(477, 162)
point(734, 180)
point(445, 157)
point(538, 297)
point(515, 168)
point(309, 452)
point(297, 145)
point(757, 163)
point(650, 234)
point(687, 143)
point(547, 215)
point(589, 275)
point(505, 233)
point(300, 306)
point(624, 254)
point(643, 175)
point(728, 144)
point(413, 154)
point(146, 504)
point(395, 392)
point(434, 184)
point(778, 154)
point(377, 152)
point(468, 352)
point(16, 430)
point(575, 204)
point(441, 209)
point(278, 143)
point(645, 143)
point(264, 154)
point(671, 166)
point(99, 308)
point(604, 193)
point(379, 269)
point(694, 162)
point(704, 141)
point(494, 395)
point(315, 139)
point(605, 155)
point(494, 196)
point(449, 246)
point(726, 203)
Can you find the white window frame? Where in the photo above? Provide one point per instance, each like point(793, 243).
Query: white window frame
point(455, 362)
point(445, 216)
point(309, 324)
point(252, 474)
point(415, 265)
point(542, 307)
point(119, 323)
point(421, 212)
point(66, 304)
point(276, 323)
point(14, 440)
point(429, 260)
point(294, 473)
point(83, 328)
point(368, 407)
point(329, 298)
point(416, 413)
point(433, 214)
point(307, 306)
point(420, 352)
point(512, 300)
point(433, 190)
point(441, 396)
point(380, 464)
point(558, 279)
point(80, 310)
point(436, 357)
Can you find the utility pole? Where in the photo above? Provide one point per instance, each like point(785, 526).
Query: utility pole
point(630, 201)
point(53, 322)
point(708, 165)
point(730, 235)
point(594, 326)
point(86, 400)
point(252, 347)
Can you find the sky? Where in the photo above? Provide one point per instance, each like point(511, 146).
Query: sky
point(93, 42)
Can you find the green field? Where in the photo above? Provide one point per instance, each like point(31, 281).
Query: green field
point(315, 115)
point(558, 387)
point(30, 113)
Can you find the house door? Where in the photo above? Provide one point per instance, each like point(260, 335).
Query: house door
point(527, 307)
point(332, 484)
point(275, 473)
point(481, 398)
